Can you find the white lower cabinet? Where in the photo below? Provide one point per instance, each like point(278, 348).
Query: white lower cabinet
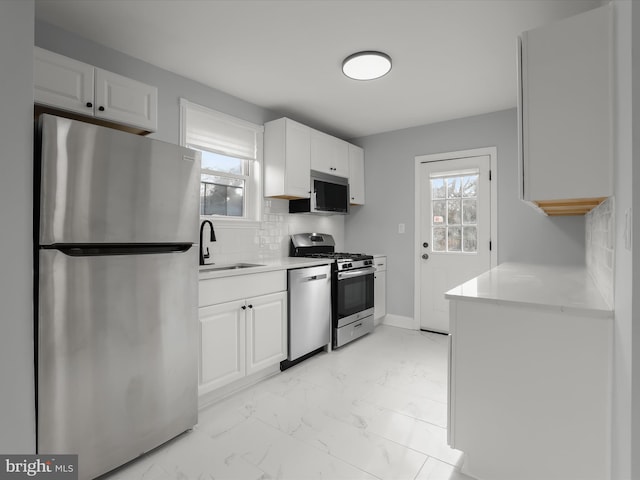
point(530, 379)
point(266, 331)
point(245, 335)
point(380, 288)
point(222, 344)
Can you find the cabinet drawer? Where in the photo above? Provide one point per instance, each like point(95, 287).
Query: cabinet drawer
point(219, 290)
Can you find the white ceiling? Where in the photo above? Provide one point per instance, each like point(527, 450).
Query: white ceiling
point(451, 58)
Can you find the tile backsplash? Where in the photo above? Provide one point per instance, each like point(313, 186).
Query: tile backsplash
point(600, 247)
point(270, 238)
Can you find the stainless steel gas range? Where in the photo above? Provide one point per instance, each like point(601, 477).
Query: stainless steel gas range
point(351, 285)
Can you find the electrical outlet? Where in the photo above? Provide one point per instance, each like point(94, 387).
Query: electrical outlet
point(401, 228)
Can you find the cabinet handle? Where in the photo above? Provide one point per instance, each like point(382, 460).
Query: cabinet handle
point(244, 307)
point(101, 108)
point(89, 104)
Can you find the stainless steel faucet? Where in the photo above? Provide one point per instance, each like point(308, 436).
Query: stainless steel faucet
point(204, 253)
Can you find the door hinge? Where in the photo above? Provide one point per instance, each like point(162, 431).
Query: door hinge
point(489, 175)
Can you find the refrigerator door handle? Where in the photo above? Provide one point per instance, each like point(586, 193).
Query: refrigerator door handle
point(98, 250)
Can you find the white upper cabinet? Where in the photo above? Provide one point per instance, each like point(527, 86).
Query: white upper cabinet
point(63, 82)
point(356, 175)
point(67, 84)
point(123, 100)
point(565, 113)
point(329, 154)
point(287, 159)
point(292, 150)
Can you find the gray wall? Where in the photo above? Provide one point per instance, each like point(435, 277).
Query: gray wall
point(17, 418)
point(523, 234)
point(170, 86)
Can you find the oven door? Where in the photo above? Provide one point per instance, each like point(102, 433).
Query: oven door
point(354, 295)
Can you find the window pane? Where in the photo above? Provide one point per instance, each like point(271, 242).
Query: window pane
point(222, 196)
point(439, 239)
point(453, 212)
point(235, 201)
point(438, 188)
point(469, 211)
point(470, 239)
point(454, 187)
point(454, 235)
point(223, 164)
point(470, 186)
point(439, 211)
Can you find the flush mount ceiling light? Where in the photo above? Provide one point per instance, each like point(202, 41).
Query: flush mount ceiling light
point(366, 65)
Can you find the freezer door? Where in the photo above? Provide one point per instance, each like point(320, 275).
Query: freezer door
point(117, 354)
point(100, 185)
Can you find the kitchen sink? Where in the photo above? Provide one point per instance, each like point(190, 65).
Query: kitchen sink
point(230, 266)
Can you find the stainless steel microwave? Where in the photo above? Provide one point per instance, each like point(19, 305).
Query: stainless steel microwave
point(329, 196)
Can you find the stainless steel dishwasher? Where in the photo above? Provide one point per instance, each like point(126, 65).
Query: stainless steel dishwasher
point(309, 312)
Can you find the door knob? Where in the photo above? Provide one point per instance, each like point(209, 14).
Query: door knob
point(425, 256)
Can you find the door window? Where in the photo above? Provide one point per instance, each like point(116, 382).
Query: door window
point(454, 204)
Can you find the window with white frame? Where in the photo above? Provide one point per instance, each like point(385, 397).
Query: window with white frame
point(231, 148)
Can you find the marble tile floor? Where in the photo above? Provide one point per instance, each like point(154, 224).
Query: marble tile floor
point(374, 409)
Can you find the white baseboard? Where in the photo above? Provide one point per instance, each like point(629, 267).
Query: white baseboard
point(209, 398)
point(398, 321)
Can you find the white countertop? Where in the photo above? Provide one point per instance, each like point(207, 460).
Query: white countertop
point(285, 263)
point(568, 289)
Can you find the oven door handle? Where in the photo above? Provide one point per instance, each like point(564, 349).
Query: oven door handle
point(356, 273)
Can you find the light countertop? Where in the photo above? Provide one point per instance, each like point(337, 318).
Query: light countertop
point(568, 289)
point(286, 263)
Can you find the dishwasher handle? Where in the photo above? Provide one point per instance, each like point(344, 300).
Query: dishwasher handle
point(314, 277)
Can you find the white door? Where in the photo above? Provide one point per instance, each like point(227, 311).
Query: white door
point(222, 344)
point(266, 331)
point(455, 231)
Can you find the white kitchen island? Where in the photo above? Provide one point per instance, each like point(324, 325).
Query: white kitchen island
point(530, 374)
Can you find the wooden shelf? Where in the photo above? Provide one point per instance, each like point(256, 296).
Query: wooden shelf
point(566, 207)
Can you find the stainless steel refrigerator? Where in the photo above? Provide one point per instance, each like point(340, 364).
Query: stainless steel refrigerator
point(116, 292)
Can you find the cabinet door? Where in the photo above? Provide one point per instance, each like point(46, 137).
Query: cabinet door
point(287, 159)
point(266, 331)
point(123, 100)
point(329, 154)
point(380, 295)
point(222, 345)
point(62, 82)
point(356, 175)
point(566, 111)
point(297, 159)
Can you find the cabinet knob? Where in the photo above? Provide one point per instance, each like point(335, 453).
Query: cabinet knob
point(89, 104)
point(250, 306)
point(425, 256)
point(244, 307)
point(101, 108)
